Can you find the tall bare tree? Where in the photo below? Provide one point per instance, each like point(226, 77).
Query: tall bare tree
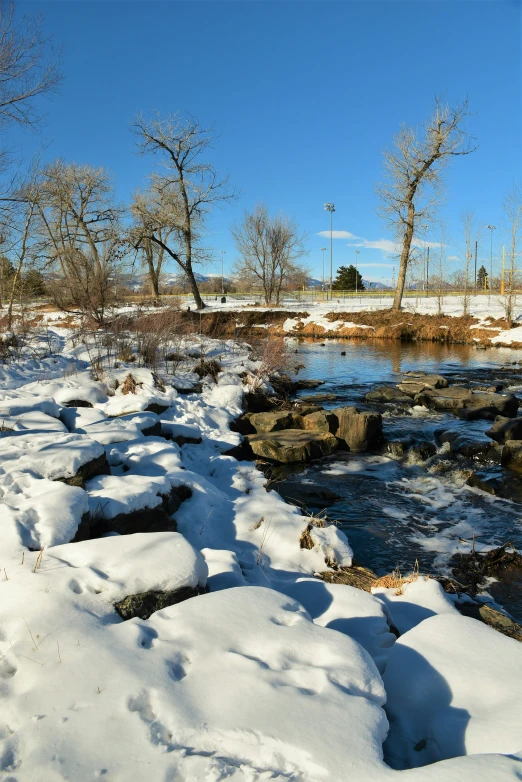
point(269, 248)
point(82, 239)
point(188, 188)
point(414, 176)
point(512, 204)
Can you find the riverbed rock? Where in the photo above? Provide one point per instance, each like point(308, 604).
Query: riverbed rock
point(414, 383)
point(493, 618)
point(292, 445)
point(318, 398)
point(144, 604)
point(389, 394)
point(360, 431)
point(396, 449)
point(306, 494)
point(476, 405)
point(514, 453)
point(271, 422)
point(480, 450)
point(499, 482)
point(97, 466)
point(421, 451)
point(504, 429)
point(320, 421)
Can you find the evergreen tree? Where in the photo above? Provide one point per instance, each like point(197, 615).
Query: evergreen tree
point(34, 284)
point(345, 280)
point(482, 279)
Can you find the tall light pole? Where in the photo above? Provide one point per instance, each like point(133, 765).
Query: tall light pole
point(356, 254)
point(331, 208)
point(323, 250)
point(491, 229)
point(223, 253)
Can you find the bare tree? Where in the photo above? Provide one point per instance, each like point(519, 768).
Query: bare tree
point(82, 240)
point(414, 170)
point(152, 212)
point(269, 248)
point(21, 237)
point(441, 266)
point(512, 204)
point(28, 67)
point(185, 193)
point(470, 230)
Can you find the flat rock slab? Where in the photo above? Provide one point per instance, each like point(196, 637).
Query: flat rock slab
point(389, 394)
point(271, 422)
point(300, 493)
point(292, 445)
point(478, 405)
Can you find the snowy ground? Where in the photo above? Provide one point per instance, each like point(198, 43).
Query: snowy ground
point(273, 674)
point(480, 306)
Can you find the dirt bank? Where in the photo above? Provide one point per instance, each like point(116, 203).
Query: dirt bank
point(382, 324)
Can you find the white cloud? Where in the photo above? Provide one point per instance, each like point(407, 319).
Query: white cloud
point(338, 234)
point(453, 258)
point(386, 245)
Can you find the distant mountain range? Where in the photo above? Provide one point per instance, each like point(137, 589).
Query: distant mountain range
point(137, 280)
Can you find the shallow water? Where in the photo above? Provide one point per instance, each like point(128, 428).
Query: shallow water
point(394, 512)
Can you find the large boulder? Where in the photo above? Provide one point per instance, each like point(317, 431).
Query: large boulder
point(271, 422)
point(472, 448)
point(292, 445)
point(499, 482)
point(320, 421)
point(504, 429)
point(360, 431)
point(475, 405)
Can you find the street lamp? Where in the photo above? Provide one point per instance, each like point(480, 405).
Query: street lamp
point(323, 250)
point(491, 229)
point(356, 254)
point(223, 253)
point(330, 208)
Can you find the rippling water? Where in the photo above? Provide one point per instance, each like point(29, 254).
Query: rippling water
point(394, 512)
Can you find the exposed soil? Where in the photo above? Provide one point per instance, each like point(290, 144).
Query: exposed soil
point(381, 324)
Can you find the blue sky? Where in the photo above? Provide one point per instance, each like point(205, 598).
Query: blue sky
point(304, 95)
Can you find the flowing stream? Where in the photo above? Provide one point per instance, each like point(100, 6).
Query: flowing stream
point(395, 511)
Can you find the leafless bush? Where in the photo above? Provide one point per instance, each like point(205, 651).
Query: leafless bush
point(208, 367)
point(274, 357)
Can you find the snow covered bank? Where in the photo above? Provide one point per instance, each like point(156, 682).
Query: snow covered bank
point(272, 675)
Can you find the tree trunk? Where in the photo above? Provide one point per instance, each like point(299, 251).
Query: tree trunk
point(405, 257)
point(200, 304)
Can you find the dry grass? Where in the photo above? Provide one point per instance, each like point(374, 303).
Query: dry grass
point(130, 386)
point(397, 581)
